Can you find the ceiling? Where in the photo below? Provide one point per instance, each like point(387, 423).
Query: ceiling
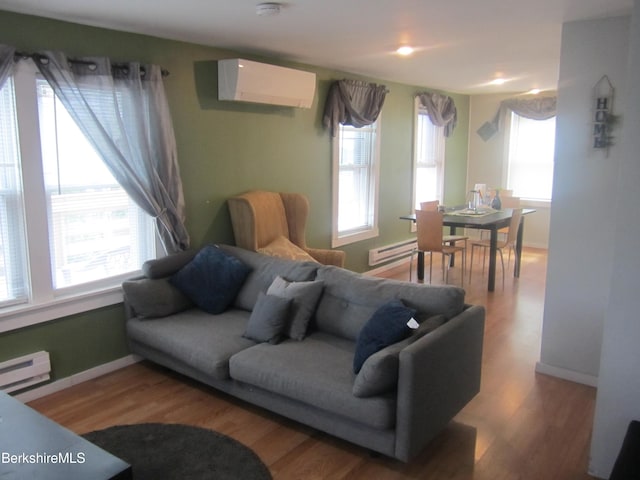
point(460, 45)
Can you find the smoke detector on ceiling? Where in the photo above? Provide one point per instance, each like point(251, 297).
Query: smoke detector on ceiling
point(267, 9)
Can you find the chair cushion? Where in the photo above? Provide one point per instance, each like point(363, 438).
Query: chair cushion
point(317, 372)
point(212, 279)
point(386, 326)
point(283, 248)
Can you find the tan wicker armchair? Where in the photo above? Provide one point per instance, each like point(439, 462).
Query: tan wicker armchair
point(260, 218)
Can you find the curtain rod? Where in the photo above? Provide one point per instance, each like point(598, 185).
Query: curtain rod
point(114, 66)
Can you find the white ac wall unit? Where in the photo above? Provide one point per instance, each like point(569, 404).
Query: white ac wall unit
point(248, 81)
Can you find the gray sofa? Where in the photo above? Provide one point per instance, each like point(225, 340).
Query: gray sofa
point(428, 377)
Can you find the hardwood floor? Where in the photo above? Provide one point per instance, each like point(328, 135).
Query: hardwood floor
point(522, 425)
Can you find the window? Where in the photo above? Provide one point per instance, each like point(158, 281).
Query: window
point(355, 183)
point(530, 157)
point(428, 161)
point(84, 233)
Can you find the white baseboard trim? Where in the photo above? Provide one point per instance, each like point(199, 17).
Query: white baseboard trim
point(77, 378)
point(566, 374)
point(388, 266)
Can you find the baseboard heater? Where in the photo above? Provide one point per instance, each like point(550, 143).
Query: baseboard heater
point(22, 372)
point(391, 252)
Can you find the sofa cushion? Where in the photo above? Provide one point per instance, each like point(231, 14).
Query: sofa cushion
point(264, 270)
point(282, 247)
point(167, 266)
point(154, 298)
point(212, 279)
point(268, 319)
point(350, 299)
point(196, 338)
point(379, 373)
point(386, 326)
point(317, 372)
point(304, 296)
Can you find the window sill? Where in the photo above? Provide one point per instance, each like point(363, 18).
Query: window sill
point(24, 315)
point(533, 203)
point(353, 237)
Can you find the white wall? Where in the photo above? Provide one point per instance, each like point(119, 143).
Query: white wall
point(618, 400)
point(583, 224)
point(488, 161)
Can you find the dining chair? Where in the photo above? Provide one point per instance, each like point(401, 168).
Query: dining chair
point(429, 224)
point(432, 205)
point(508, 201)
point(508, 242)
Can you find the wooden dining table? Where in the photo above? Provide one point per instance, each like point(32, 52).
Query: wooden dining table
point(455, 218)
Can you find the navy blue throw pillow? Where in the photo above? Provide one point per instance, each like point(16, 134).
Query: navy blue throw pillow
point(386, 326)
point(212, 279)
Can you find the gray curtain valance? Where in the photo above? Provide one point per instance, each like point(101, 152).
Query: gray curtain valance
point(353, 102)
point(441, 110)
point(538, 108)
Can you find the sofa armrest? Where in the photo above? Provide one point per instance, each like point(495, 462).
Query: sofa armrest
point(438, 375)
point(328, 257)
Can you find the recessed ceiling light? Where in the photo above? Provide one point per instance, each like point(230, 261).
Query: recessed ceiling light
point(267, 9)
point(405, 50)
point(497, 81)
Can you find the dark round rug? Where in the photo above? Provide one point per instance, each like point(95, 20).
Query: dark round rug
point(158, 451)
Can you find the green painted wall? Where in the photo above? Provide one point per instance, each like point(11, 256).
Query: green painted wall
point(226, 148)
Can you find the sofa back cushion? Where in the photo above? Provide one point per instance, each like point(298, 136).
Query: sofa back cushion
point(264, 270)
point(350, 299)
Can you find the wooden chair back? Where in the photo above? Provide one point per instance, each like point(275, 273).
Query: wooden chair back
point(430, 205)
point(429, 230)
point(513, 226)
point(510, 202)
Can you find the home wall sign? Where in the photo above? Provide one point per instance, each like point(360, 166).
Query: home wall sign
point(603, 117)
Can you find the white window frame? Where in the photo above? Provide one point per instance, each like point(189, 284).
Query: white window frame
point(531, 200)
point(45, 303)
point(439, 151)
point(370, 230)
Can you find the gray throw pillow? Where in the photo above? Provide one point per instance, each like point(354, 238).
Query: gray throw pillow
point(304, 296)
point(379, 373)
point(154, 298)
point(268, 319)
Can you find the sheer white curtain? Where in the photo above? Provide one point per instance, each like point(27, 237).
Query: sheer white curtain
point(6, 62)
point(124, 113)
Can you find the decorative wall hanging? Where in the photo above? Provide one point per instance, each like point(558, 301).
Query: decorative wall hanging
point(603, 118)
